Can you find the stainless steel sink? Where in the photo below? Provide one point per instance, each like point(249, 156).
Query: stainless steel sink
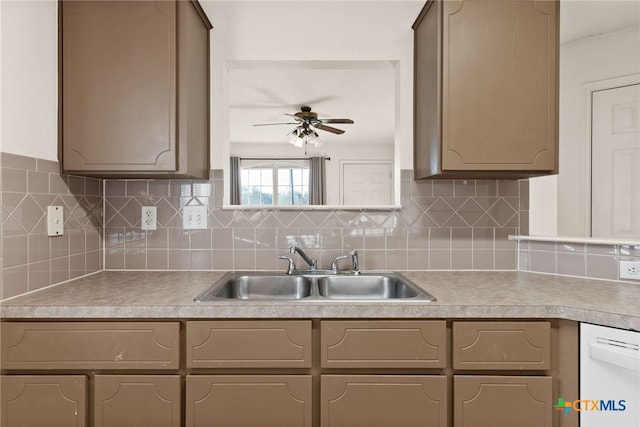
point(314, 286)
point(385, 286)
point(258, 287)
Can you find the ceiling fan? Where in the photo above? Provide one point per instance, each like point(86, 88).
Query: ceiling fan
point(306, 119)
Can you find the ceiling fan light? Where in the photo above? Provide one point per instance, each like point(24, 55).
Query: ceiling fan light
point(314, 138)
point(299, 142)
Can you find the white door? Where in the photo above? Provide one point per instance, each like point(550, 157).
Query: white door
point(615, 182)
point(366, 183)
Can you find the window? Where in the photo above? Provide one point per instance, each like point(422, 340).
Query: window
point(274, 183)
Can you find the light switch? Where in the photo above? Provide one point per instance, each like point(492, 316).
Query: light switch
point(55, 221)
point(194, 218)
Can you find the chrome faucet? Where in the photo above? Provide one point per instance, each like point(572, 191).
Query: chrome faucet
point(355, 269)
point(313, 264)
point(334, 264)
point(292, 266)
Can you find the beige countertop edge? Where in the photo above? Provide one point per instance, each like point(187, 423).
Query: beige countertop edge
point(321, 310)
point(460, 294)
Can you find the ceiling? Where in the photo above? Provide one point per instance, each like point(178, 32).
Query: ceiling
point(580, 19)
point(262, 90)
point(363, 91)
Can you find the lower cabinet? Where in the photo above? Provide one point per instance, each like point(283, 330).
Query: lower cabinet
point(43, 401)
point(383, 400)
point(137, 400)
point(248, 401)
point(287, 373)
point(501, 401)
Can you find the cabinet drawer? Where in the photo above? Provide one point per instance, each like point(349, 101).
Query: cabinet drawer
point(383, 400)
point(249, 344)
point(128, 400)
point(501, 345)
point(39, 400)
point(248, 400)
point(383, 344)
point(90, 345)
point(480, 401)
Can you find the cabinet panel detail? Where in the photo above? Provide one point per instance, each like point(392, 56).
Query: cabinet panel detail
point(383, 400)
point(134, 89)
point(501, 345)
point(52, 401)
point(503, 113)
point(383, 344)
point(119, 85)
point(249, 400)
point(486, 89)
point(135, 400)
point(258, 344)
point(481, 401)
point(90, 345)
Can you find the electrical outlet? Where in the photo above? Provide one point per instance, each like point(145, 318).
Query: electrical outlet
point(194, 218)
point(149, 218)
point(630, 270)
point(55, 221)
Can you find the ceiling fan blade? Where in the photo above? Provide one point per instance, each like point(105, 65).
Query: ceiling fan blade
point(345, 121)
point(275, 124)
point(329, 129)
point(294, 116)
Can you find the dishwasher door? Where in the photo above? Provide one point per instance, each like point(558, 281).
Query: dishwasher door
point(609, 377)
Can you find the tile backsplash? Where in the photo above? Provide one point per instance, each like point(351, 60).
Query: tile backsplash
point(443, 224)
point(592, 260)
point(30, 259)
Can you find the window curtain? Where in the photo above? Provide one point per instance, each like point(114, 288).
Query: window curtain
point(234, 181)
point(317, 179)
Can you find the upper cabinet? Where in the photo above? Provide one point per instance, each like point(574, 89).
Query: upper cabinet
point(486, 89)
point(135, 89)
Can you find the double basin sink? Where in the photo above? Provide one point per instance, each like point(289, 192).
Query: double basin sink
point(313, 287)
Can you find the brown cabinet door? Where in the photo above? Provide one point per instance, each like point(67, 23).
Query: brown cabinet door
point(481, 401)
point(486, 88)
point(90, 345)
point(119, 85)
point(383, 401)
point(501, 345)
point(43, 401)
point(383, 344)
point(137, 400)
point(248, 401)
point(499, 88)
point(249, 344)
point(135, 88)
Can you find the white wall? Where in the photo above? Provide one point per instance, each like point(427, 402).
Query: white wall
point(29, 78)
point(582, 63)
point(310, 30)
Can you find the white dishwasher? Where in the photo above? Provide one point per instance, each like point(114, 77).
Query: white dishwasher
point(609, 377)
